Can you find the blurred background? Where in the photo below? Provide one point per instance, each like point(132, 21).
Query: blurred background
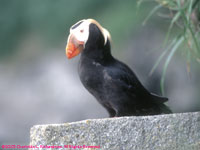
point(39, 85)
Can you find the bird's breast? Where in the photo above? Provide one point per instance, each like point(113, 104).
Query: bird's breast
point(91, 75)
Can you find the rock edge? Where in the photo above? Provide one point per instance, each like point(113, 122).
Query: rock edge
point(160, 132)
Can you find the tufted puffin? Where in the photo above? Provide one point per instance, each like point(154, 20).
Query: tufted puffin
point(110, 81)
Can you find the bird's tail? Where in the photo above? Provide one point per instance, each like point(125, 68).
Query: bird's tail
point(165, 109)
point(160, 101)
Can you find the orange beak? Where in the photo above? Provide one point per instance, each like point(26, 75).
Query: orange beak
point(74, 47)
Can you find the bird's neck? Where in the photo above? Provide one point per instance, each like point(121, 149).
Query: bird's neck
point(99, 53)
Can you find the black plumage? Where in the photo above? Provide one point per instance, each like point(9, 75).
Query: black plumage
point(113, 83)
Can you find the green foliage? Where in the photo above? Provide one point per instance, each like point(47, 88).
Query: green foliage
point(48, 18)
point(184, 14)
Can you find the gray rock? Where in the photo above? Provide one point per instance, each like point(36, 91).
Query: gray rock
point(161, 132)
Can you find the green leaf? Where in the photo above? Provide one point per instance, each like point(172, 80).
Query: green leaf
point(161, 57)
point(171, 54)
point(188, 26)
point(151, 13)
point(190, 9)
point(139, 2)
point(175, 18)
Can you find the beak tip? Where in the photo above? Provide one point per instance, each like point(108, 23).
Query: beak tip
point(68, 56)
point(73, 49)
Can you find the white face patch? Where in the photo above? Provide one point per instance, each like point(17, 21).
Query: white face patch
point(81, 31)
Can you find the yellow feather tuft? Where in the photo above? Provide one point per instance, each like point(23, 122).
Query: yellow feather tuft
point(105, 32)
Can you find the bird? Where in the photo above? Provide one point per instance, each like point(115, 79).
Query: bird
point(114, 85)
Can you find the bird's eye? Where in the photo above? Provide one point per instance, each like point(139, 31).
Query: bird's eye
point(82, 31)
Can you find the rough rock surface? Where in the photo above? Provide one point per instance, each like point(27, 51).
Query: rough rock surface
point(161, 132)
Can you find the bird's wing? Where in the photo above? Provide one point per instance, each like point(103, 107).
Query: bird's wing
point(122, 76)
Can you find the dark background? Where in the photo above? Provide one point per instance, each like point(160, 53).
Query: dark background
point(39, 85)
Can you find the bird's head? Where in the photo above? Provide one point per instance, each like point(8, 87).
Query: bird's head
point(84, 33)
